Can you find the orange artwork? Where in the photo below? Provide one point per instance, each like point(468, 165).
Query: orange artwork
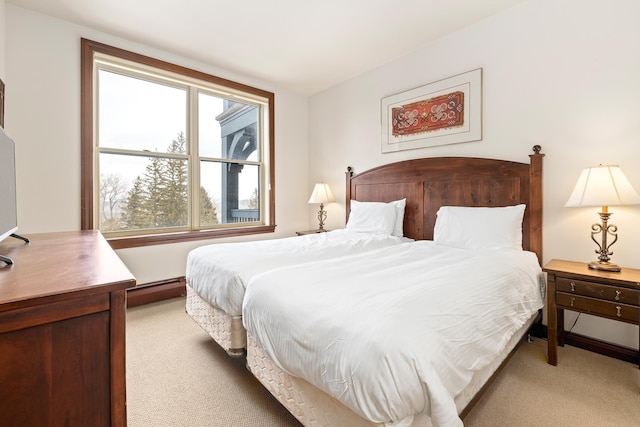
point(441, 112)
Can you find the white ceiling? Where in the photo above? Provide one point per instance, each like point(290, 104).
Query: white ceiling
point(300, 45)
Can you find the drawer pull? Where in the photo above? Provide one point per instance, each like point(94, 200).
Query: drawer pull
point(618, 295)
point(572, 300)
point(619, 308)
point(573, 286)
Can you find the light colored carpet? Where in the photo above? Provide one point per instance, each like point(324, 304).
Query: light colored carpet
point(178, 376)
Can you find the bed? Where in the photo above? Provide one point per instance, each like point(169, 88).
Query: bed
point(367, 350)
point(217, 274)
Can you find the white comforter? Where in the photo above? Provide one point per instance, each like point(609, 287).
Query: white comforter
point(394, 332)
point(219, 273)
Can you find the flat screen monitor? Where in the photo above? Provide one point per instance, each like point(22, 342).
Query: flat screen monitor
point(8, 209)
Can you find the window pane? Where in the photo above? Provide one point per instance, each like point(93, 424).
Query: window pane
point(209, 107)
point(139, 193)
point(226, 129)
point(137, 114)
point(233, 192)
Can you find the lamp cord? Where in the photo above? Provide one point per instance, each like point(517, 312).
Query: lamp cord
point(574, 323)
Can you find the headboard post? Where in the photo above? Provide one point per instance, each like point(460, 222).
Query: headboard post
point(349, 175)
point(535, 202)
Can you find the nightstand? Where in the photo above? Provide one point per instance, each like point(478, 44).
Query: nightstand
point(304, 233)
point(574, 286)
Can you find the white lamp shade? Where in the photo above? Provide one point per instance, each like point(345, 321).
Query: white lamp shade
point(321, 194)
point(603, 186)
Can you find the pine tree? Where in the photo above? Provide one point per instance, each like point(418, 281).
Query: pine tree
point(154, 187)
point(135, 215)
point(174, 200)
point(160, 197)
point(208, 213)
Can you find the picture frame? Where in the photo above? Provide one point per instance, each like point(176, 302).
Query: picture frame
point(447, 111)
point(1, 103)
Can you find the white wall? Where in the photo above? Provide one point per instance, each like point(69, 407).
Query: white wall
point(564, 75)
point(43, 116)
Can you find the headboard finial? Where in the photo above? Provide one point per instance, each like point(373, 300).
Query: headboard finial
point(537, 149)
point(349, 171)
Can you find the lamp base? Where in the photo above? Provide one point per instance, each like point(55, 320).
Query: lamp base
point(604, 266)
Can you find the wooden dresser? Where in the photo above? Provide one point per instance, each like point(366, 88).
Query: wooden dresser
point(574, 286)
point(62, 331)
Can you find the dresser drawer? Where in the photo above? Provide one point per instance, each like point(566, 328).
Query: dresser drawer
point(595, 290)
point(613, 310)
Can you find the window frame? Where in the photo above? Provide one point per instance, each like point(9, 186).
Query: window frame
point(88, 149)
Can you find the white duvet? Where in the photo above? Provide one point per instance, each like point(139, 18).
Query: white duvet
point(395, 332)
point(219, 273)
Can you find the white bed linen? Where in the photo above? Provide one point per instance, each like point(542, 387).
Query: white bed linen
point(218, 273)
point(394, 332)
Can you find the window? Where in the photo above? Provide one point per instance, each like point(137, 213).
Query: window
point(172, 154)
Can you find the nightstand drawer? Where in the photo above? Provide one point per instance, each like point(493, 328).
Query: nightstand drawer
point(594, 290)
point(613, 310)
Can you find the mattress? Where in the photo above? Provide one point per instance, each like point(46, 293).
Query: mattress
point(394, 334)
point(218, 273)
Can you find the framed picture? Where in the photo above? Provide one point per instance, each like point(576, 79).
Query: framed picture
point(447, 111)
point(1, 103)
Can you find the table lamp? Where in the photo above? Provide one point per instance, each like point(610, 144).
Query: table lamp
point(321, 194)
point(603, 186)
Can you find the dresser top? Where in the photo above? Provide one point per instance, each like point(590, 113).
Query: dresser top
point(59, 264)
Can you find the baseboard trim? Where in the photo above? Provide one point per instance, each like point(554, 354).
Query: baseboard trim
point(600, 347)
point(156, 291)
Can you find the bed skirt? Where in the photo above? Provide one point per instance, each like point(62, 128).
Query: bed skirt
point(226, 330)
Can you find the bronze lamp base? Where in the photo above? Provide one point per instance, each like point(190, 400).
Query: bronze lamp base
point(604, 266)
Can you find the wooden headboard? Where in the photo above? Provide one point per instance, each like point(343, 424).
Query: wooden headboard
point(429, 183)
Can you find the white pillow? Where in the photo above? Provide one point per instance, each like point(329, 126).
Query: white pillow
point(372, 217)
point(400, 205)
point(498, 229)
